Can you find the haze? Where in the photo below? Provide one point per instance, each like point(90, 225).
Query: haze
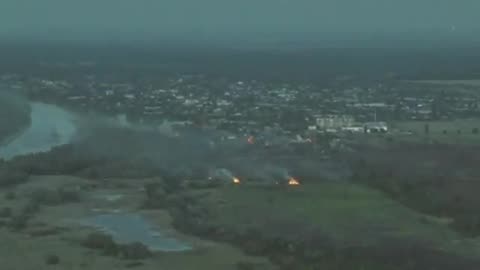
point(247, 21)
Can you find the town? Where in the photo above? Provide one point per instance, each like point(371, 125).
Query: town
point(297, 111)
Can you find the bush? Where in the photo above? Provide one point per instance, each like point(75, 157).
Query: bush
point(18, 223)
point(41, 232)
point(31, 208)
point(135, 251)
point(156, 196)
point(172, 183)
point(69, 195)
point(102, 242)
point(46, 196)
point(133, 264)
point(9, 196)
point(245, 266)
point(10, 177)
point(5, 212)
point(52, 260)
point(105, 243)
point(55, 197)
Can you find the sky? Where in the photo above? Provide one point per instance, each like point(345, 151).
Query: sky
point(243, 19)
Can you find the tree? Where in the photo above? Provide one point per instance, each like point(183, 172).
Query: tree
point(52, 259)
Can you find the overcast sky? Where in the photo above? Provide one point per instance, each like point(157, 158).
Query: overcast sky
point(156, 18)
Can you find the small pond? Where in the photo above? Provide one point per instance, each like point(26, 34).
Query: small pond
point(128, 228)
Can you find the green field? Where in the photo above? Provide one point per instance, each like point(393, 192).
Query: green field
point(351, 214)
point(25, 250)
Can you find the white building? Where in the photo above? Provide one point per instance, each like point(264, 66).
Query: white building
point(373, 127)
point(334, 121)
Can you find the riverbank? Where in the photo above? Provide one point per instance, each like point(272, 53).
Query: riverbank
point(49, 126)
point(15, 117)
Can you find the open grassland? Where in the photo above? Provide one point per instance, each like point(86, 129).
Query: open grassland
point(53, 230)
point(352, 215)
point(21, 252)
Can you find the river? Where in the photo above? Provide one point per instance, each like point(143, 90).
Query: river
point(50, 126)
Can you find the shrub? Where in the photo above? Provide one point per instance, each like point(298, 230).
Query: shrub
point(102, 242)
point(52, 259)
point(31, 208)
point(46, 196)
point(55, 197)
point(245, 266)
point(68, 195)
point(40, 232)
point(10, 177)
point(5, 212)
point(155, 196)
point(135, 251)
point(133, 264)
point(9, 196)
point(18, 223)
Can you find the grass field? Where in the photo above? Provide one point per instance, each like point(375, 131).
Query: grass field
point(349, 213)
point(22, 251)
point(27, 253)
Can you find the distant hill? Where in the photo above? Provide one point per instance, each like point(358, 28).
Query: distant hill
point(14, 116)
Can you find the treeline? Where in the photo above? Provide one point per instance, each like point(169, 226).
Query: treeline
point(66, 160)
point(109, 153)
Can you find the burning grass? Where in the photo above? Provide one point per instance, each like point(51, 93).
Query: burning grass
point(293, 182)
point(236, 181)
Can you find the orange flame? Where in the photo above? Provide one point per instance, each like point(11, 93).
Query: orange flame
point(293, 182)
point(236, 180)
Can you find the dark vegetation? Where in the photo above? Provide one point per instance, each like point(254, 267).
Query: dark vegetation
point(440, 180)
point(14, 115)
point(10, 176)
point(155, 195)
point(19, 221)
point(111, 152)
point(45, 196)
point(52, 259)
point(10, 196)
point(5, 212)
point(106, 244)
point(295, 244)
point(42, 197)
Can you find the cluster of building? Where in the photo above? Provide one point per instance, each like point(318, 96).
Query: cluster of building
point(250, 107)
